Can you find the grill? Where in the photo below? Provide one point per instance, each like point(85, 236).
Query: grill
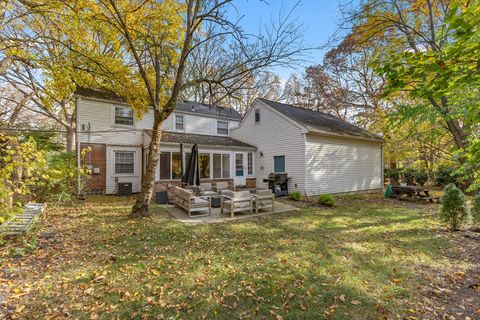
point(278, 183)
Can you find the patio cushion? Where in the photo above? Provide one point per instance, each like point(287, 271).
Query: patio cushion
point(199, 201)
point(209, 193)
point(242, 204)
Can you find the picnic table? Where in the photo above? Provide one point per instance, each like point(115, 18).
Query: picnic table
point(412, 193)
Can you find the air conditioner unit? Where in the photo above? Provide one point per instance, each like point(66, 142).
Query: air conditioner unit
point(124, 189)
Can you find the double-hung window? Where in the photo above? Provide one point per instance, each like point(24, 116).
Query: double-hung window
point(179, 123)
point(124, 162)
point(124, 116)
point(222, 127)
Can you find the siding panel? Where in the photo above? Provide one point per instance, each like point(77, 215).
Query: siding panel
point(340, 165)
point(274, 136)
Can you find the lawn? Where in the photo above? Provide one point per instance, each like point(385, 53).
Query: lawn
point(368, 258)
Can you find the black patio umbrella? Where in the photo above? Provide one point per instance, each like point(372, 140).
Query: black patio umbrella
point(191, 176)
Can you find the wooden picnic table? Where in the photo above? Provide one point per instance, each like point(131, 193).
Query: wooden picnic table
point(412, 193)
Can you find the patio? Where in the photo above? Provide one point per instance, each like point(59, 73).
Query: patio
point(182, 216)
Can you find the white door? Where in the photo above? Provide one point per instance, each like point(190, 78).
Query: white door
point(239, 166)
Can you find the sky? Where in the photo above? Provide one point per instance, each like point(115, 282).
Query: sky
point(319, 20)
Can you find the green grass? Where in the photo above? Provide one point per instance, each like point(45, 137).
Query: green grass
point(360, 260)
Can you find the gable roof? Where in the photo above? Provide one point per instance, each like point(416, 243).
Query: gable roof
point(182, 106)
point(320, 122)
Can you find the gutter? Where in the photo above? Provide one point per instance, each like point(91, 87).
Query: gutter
point(334, 135)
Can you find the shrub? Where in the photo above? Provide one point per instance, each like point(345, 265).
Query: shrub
point(296, 196)
point(408, 176)
point(475, 212)
point(392, 174)
point(421, 177)
point(445, 176)
point(326, 200)
point(453, 210)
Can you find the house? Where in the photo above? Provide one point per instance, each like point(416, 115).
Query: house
point(320, 153)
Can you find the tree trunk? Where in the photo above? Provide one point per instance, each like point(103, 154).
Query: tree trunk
point(70, 139)
point(141, 208)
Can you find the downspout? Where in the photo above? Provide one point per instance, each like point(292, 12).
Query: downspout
point(77, 129)
point(382, 169)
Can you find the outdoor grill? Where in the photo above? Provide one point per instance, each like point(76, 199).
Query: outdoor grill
point(278, 183)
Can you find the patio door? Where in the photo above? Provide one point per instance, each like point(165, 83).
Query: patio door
point(239, 166)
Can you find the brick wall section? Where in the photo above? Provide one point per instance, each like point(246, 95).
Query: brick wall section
point(96, 158)
point(251, 183)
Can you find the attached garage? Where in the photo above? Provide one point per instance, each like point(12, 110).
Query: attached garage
point(337, 165)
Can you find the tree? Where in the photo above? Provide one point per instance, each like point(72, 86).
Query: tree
point(158, 40)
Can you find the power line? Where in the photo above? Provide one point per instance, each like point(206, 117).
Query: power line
point(65, 131)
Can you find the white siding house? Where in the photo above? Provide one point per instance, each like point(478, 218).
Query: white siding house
point(319, 152)
point(274, 135)
point(322, 153)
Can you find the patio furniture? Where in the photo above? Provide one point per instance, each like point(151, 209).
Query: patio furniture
point(185, 199)
point(236, 202)
point(221, 186)
point(216, 201)
point(411, 193)
point(161, 197)
point(264, 199)
point(205, 189)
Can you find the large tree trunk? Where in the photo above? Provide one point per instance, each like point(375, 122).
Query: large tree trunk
point(70, 139)
point(141, 207)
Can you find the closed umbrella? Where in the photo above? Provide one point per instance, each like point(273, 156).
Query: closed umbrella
point(192, 169)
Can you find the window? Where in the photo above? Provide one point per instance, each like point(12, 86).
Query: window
point(279, 163)
point(239, 164)
point(165, 165)
point(225, 165)
point(170, 166)
point(250, 163)
point(221, 166)
point(179, 124)
point(124, 116)
point(222, 127)
point(124, 161)
point(257, 115)
point(176, 170)
point(204, 161)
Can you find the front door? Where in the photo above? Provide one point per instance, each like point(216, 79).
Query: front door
point(240, 169)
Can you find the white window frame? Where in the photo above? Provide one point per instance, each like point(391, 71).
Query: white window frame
point(228, 128)
point(285, 162)
point(222, 154)
point(175, 122)
point(171, 167)
point(115, 162)
point(121, 124)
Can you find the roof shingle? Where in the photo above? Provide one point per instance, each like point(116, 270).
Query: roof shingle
point(321, 122)
point(200, 139)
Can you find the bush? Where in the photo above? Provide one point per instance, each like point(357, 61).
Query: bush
point(326, 200)
point(445, 176)
point(408, 176)
point(421, 177)
point(392, 174)
point(453, 209)
point(296, 196)
point(475, 212)
point(59, 183)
